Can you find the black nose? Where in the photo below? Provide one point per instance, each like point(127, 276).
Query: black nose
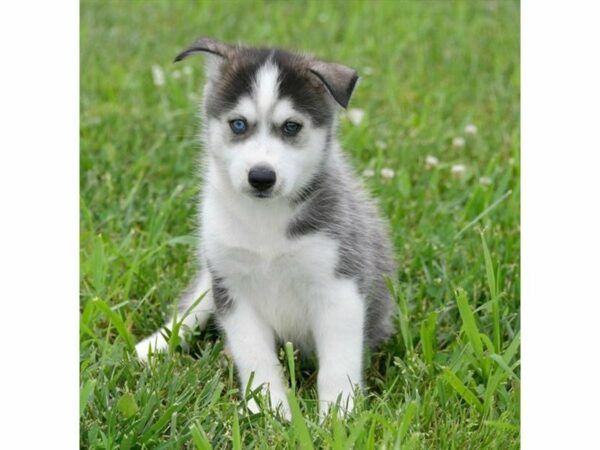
point(261, 178)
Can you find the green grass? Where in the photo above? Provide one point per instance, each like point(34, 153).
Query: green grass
point(449, 378)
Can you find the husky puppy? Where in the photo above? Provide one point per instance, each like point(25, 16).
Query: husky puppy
point(291, 247)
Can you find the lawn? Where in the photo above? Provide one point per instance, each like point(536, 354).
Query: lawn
point(449, 378)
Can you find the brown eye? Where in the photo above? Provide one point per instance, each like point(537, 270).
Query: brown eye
point(291, 128)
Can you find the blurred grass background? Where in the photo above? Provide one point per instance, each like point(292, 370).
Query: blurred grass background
point(450, 378)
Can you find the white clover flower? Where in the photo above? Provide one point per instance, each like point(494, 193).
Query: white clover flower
point(458, 170)
point(458, 142)
point(470, 129)
point(368, 70)
point(323, 17)
point(431, 161)
point(381, 145)
point(158, 76)
point(355, 116)
point(368, 173)
point(387, 173)
point(187, 70)
point(176, 74)
point(485, 181)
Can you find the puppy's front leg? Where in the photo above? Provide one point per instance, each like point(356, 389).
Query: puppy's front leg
point(338, 325)
point(252, 345)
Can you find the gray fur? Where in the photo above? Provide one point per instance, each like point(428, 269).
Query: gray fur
point(223, 301)
point(337, 206)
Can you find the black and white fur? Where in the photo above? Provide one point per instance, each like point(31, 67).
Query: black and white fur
point(304, 261)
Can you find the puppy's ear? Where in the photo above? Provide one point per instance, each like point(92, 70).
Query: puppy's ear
point(205, 45)
point(217, 52)
point(339, 80)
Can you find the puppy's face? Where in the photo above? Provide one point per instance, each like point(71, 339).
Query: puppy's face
point(269, 137)
point(269, 116)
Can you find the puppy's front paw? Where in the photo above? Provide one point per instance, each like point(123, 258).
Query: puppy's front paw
point(337, 387)
point(278, 404)
point(344, 407)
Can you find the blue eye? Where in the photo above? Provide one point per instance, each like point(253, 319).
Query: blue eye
point(238, 126)
point(291, 128)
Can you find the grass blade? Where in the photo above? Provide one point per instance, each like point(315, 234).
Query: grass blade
point(500, 360)
point(462, 390)
point(471, 330)
point(289, 351)
point(237, 441)
point(487, 343)
point(116, 320)
point(469, 324)
point(160, 423)
point(493, 288)
point(175, 337)
point(428, 343)
point(84, 395)
point(502, 425)
point(407, 419)
point(299, 424)
point(491, 388)
point(484, 213)
point(512, 349)
point(199, 437)
point(357, 431)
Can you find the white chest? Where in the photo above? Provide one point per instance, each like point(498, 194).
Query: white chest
point(284, 279)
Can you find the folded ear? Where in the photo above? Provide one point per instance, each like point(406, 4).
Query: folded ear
point(339, 80)
point(205, 45)
point(217, 52)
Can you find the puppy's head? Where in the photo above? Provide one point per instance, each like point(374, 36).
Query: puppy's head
point(269, 115)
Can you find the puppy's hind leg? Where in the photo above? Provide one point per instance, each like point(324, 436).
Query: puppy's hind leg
point(196, 317)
